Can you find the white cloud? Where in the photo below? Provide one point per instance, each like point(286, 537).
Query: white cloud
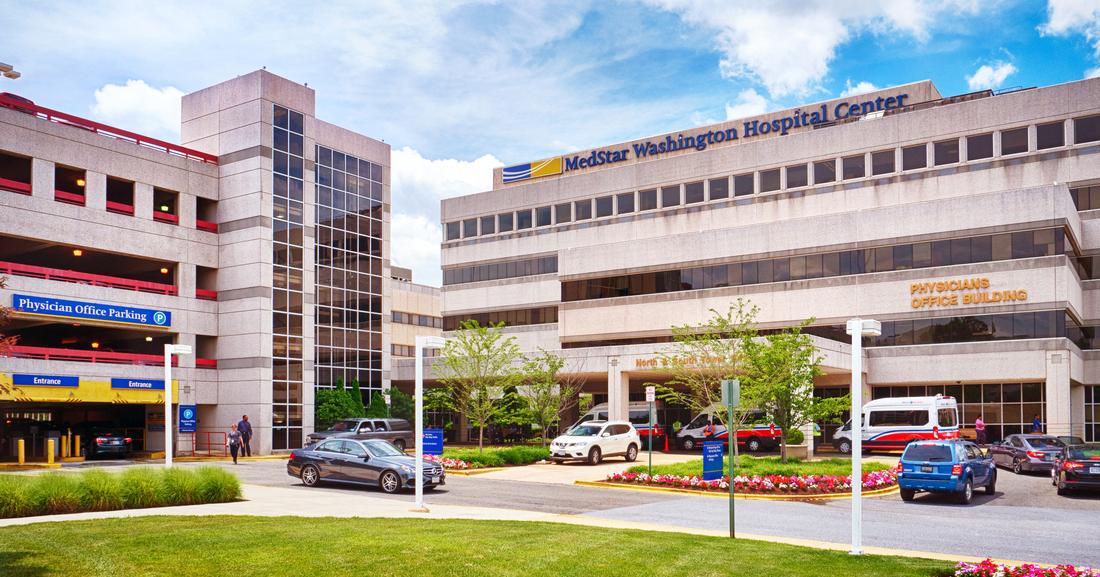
point(862, 87)
point(1066, 17)
point(1093, 72)
point(138, 107)
point(749, 103)
point(414, 243)
point(990, 77)
point(787, 45)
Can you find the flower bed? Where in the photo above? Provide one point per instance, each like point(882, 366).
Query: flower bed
point(988, 568)
point(762, 485)
point(447, 462)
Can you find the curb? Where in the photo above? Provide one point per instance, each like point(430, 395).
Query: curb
point(230, 459)
point(744, 496)
point(473, 472)
point(28, 466)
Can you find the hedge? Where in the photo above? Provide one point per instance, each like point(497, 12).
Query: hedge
point(494, 457)
point(96, 490)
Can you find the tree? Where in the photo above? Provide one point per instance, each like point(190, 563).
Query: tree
point(477, 364)
point(402, 406)
point(377, 408)
point(331, 405)
point(701, 357)
point(437, 400)
point(512, 413)
point(6, 342)
point(781, 368)
point(357, 394)
point(549, 394)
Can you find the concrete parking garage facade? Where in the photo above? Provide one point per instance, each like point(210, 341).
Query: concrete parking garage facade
point(968, 225)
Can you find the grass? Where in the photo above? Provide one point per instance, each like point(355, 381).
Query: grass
point(498, 456)
point(749, 466)
point(96, 490)
point(294, 546)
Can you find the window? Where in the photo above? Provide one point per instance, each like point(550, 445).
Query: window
point(979, 146)
point(914, 157)
point(505, 222)
point(743, 185)
point(912, 418)
point(120, 196)
point(542, 216)
point(670, 196)
point(605, 206)
point(769, 180)
point(488, 224)
point(563, 213)
point(882, 162)
point(582, 209)
point(693, 192)
point(797, 176)
point(1050, 135)
point(946, 152)
point(453, 230)
point(469, 227)
point(947, 417)
point(719, 188)
point(1086, 129)
point(854, 167)
point(625, 202)
point(824, 171)
point(1014, 141)
point(523, 219)
point(647, 199)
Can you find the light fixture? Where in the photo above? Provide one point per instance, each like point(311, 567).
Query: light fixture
point(164, 208)
point(80, 182)
point(163, 270)
point(78, 252)
point(95, 344)
point(148, 339)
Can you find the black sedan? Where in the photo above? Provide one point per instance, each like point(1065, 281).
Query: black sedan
point(374, 463)
point(105, 442)
point(1078, 467)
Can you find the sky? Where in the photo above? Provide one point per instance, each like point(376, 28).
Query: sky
point(458, 88)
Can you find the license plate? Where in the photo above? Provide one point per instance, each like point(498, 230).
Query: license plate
point(926, 469)
point(1094, 470)
point(435, 480)
point(116, 442)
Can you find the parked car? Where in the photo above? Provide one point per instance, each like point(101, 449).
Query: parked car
point(101, 441)
point(756, 435)
point(592, 441)
point(638, 414)
point(397, 431)
point(890, 424)
point(361, 462)
point(1026, 452)
point(1077, 467)
point(945, 466)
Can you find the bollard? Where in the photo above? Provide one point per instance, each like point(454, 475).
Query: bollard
point(49, 451)
point(22, 452)
point(76, 445)
point(64, 446)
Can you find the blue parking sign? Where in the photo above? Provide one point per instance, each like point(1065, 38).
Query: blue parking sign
point(712, 460)
point(433, 441)
point(188, 418)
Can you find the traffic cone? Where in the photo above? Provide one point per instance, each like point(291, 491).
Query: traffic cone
point(666, 443)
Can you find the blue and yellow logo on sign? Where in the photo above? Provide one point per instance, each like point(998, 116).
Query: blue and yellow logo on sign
point(548, 167)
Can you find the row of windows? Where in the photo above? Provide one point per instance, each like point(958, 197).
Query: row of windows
point(417, 320)
point(872, 164)
point(1086, 197)
point(1092, 414)
point(410, 351)
point(511, 269)
point(1027, 244)
point(345, 163)
point(512, 318)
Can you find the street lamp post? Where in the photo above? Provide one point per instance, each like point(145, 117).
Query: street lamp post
point(858, 328)
point(170, 350)
point(422, 342)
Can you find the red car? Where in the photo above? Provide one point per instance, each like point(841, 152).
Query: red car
point(1077, 467)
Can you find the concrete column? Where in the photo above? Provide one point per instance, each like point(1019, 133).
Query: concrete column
point(810, 180)
point(186, 209)
point(838, 166)
point(1077, 410)
point(1032, 137)
point(1058, 397)
point(186, 279)
point(143, 201)
point(95, 190)
point(783, 178)
point(930, 155)
point(1070, 133)
point(964, 151)
point(42, 178)
point(898, 160)
point(996, 143)
point(618, 391)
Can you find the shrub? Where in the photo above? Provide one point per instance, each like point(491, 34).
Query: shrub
point(15, 497)
point(795, 437)
point(496, 457)
point(216, 485)
point(56, 493)
point(178, 487)
point(101, 491)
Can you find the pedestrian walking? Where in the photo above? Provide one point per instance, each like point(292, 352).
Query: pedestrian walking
point(233, 441)
point(1037, 424)
point(708, 431)
point(245, 429)
point(979, 427)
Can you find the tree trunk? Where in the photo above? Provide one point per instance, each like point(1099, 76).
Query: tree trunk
point(783, 449)
point(545, 431)
point(480, 437)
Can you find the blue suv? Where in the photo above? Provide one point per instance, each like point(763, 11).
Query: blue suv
point(946, 466)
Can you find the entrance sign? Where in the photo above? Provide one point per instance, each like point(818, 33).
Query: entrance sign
point(141, 384)
point(188, 418)
point(712, 460)
point(44, 381)
point(433, 441)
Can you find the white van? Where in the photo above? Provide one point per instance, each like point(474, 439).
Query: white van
point(638, 416)
point(890, 424)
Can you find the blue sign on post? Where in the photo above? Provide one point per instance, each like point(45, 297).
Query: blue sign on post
point(44, 381)
point(188, 418)
point(433, 441)
point(712, 460)
point(78, 310)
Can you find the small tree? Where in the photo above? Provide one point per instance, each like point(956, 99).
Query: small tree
point(357, 394)
point(701, 357)
point(548, 393)
point(478, 363)
point(377, 408)
point(437, 400)
point(6, 342)
point(781, 367)
point(402, 406)
point(512, 412)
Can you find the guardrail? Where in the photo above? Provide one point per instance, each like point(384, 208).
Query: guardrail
point(68, 197)
point(16, 269)
point(15, 186)
point(204, 444)
point(206, 295)
point(120, 208)
point(165, 217)
point(86, 356)
point(206, 225)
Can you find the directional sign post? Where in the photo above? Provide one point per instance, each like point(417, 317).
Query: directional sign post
point(650, 397)
point(731, 398)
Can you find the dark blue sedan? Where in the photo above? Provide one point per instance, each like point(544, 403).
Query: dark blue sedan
point(945, 466)
point(374, 463)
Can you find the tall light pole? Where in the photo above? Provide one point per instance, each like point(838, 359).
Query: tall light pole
point(9, 71)
point(858, 328)
point(422, 342)
point(170, 350)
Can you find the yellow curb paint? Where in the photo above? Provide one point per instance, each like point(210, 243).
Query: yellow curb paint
point(472, 472)
point(745, 496)
point(201, 459)
point(28, 466)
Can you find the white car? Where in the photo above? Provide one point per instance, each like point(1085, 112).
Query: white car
point(593, 440)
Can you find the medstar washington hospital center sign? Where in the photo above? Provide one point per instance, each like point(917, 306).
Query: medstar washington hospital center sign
point(751, 128)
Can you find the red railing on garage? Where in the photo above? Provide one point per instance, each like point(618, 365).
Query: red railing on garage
point(16, 269)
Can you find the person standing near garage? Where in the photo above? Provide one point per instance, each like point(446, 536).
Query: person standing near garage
point(233, 441)
point(979, 428)
point(1037, 424)
point(245, 428)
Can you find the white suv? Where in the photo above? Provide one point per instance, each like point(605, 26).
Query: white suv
point(593, 440)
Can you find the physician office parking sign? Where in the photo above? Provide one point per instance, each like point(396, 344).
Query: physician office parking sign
point(188, 418)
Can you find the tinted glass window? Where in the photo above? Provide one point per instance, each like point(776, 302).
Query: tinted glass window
point(947, 417)
point(905, 418)
point(853, 167)
point(332, 446)
point(670, 196)
point(929, 453)
point(605, 206)
point(504, 222)
point(453, 230)
point(743, 185)
point(542, 214)
point(719, 188)
point(582, 210)
point(1014, 141)
point(625, 202)
point(979, 146)
point(946, 152)
point(824, 171)
point(469, 227)
point(563, 212)
point(523, 219)
point(914, 157)
point(797, 176)
point(693, 192)
point(1050, 135)
point(769, 180)
point(488, 224)
point(882, 162)
point(1086, 129)
point(647, 199)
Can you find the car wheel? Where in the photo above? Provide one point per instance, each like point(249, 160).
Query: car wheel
point(907, 494)
point(1017, 467)
point(595, 456)
point(845, 447)
point(631, 453)
point(389, 482)
point(1062, 489)
point(688, 444)
point(967, 492)
point(400, 444)
point(753, 445)
point(310, 476)
point(991, 488)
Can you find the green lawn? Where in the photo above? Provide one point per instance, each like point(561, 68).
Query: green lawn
point(765, 466)
point(294, 546)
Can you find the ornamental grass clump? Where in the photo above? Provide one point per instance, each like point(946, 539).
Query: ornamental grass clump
point(15, 497)
point(179, 487)
point(100, 491)
point(140, 486)
point(56, 493)
point(216, 485)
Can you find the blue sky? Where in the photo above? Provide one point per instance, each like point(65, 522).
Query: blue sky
point(460, 87)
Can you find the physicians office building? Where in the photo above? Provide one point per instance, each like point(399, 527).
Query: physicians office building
point(968, 225)
point(262, 242)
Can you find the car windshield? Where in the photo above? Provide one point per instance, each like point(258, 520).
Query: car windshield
point(344, 426)
point(584, 431)
point(923, 452)
point(1087, 452)
point(383, 449)
point(1045, 443)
